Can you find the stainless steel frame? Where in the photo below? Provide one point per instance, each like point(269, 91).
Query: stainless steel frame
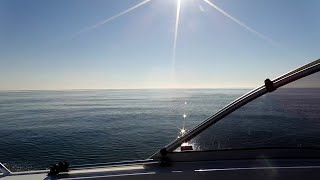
point(4, 170)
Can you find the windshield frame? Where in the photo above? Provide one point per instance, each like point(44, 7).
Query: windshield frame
point(285, 79)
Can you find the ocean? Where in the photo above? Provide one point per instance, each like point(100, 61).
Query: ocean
point(40, 128)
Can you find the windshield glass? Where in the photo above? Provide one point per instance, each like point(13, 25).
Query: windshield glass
point(286, 118)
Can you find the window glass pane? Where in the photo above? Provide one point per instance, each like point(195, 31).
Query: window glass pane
point(287, 117)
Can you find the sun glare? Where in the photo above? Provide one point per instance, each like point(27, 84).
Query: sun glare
point(176, 35)
point(184, 116)
point(183, 131)
point(178, 4)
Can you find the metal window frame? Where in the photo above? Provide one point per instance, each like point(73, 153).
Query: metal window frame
point(285, 79)
point(4, 170)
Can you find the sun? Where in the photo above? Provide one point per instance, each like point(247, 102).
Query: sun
point(179, 4)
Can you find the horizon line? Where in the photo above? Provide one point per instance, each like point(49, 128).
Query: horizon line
point(156, 88)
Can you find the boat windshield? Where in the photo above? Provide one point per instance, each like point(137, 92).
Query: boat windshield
point(285, 118)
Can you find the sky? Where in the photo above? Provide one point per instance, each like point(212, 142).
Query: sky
point(134, 44)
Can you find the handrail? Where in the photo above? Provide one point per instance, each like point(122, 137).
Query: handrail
point(287, 78)
point(5, 171)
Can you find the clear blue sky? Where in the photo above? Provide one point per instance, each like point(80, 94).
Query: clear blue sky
point(47, 44)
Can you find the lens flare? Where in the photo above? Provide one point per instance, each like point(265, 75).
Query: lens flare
point(241, 23)
point(176, 29)
point(184, 116)
point(183, 131)
point(111, 18)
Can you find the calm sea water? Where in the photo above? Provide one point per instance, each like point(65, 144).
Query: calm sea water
point(39, 128)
